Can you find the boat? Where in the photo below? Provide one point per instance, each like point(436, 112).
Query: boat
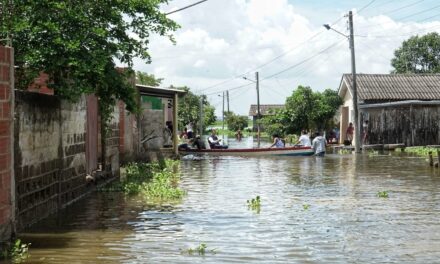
point(288, 151)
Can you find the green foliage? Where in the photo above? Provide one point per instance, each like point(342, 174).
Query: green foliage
point(236, 122)
point(421, 151)
point(200, 250)
point(306, 206)
point(151, 181)
point(254, 204)
point(76, 44)
point(16, 251)
point(147, 79)
point(383, 194)
point(304, 109)
point(418, 55)
point(189, 110)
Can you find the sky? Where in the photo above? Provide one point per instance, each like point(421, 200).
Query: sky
point(222, 41)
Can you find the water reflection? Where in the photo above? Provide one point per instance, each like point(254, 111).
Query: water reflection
point(345, 222)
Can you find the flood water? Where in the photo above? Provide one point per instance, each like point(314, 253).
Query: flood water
point(346, 222)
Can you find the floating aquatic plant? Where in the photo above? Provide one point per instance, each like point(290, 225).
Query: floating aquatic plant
point(306, 206)
point(382, 194)
point(200, 250)
point(254, 204)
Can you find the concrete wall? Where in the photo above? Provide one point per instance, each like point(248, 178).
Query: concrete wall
point(6, 142)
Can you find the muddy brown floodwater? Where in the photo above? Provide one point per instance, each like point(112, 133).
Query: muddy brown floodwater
point(313, 210)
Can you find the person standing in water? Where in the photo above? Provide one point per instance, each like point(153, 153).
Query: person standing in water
point(318, 145)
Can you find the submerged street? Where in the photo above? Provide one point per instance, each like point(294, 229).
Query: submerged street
point(313, 210)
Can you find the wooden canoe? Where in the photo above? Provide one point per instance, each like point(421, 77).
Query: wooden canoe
point(289, 151)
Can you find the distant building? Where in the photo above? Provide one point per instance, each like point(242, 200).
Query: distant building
point(265, 110)
point(400, 108)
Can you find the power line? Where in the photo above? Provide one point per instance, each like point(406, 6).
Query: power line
point(186, 7)
point(302, 62)
point(367, 5)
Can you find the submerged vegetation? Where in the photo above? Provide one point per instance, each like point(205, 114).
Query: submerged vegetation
point(383, 194)
point(150, 181)
point(421, 151)
point(16, 252)
point(201, 250)
point(254, 204)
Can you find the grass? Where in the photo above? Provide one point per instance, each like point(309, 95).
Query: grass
point(150, 181)
point(17, 251)
point(421, 151)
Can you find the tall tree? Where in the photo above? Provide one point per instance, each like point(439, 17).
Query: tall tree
point(236, 122)
point(304, 109)
point(418, 55)
point(77, 42)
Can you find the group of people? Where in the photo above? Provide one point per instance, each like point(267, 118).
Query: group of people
point(350, 131)
point(318, 143)
point(189, 141)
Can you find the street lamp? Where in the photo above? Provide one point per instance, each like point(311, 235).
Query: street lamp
point(354, 86)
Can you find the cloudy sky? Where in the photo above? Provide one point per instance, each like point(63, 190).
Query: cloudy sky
point(222, 41)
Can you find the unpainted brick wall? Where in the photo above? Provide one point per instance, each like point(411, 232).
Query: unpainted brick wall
point(6, 185)
point(50, 163)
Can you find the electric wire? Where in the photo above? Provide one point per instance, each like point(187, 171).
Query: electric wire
point(186, 7)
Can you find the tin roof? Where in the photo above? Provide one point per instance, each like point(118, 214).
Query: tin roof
point(394, 86)
point(158, 91)
point(264, 109)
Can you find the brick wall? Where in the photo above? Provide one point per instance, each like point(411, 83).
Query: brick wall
point(6, 156)
point(50, 155)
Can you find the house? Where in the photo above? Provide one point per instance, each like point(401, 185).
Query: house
point(265, 110)
point(400, 108)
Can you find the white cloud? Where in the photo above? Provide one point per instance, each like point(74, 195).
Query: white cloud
point(222, 39)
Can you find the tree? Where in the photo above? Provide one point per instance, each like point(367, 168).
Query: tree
point(76, 44)
point(236, 122)
point(418, 55)
point(189, 109)
point(147, 79)
point(304, 109)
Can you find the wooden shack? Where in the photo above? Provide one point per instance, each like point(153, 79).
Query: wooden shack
point(400, 108)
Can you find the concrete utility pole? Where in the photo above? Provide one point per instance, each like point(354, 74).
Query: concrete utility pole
point(223, 117)
point(227, 99)
point(357, 127)
point(257, 81)
point(201, 116)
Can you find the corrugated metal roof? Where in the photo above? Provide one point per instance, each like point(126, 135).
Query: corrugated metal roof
point(264, 109)
point(396, 86)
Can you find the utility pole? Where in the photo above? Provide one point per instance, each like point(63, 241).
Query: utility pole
point(201, 116)
point(357, 126)
point(227, 99)
point(258, 107)
point(223, 117)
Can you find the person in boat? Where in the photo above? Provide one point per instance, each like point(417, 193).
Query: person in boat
point(277, 142)
point(214, 141)
point(198, 143)
point(238, 135)
point(319, 144)
point(184, 143)
point(189, 129)
point(304, 139)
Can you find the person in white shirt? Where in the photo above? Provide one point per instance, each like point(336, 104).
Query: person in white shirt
point(304, 139)
point(318, 145)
